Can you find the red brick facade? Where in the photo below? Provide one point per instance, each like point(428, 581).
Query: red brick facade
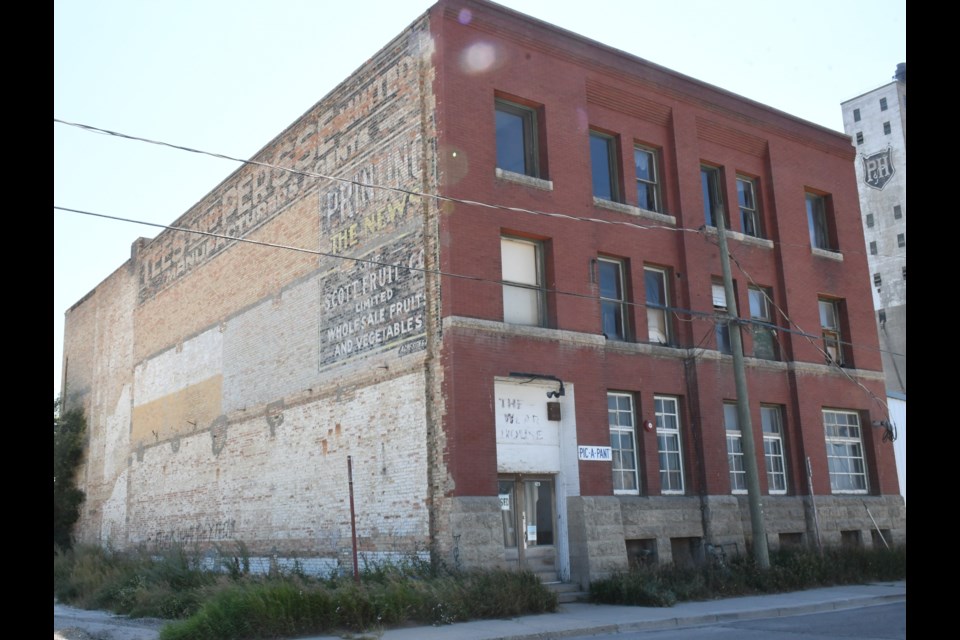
point(421, 116)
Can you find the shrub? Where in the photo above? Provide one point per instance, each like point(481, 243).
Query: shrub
point(234, 603)
point(68, 430)
point(790, 570)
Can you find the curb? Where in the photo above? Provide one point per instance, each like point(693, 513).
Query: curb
point(682, 622)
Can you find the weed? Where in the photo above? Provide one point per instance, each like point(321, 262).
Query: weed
point(790, 570)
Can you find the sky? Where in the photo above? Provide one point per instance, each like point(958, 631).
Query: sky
point(227, 76)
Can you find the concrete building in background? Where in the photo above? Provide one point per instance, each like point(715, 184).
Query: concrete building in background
point(876, 122)
point(503, 309)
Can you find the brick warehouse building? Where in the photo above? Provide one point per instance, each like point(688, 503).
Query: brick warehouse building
point(513, 386)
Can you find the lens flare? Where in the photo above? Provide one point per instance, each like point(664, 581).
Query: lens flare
point(478, 58)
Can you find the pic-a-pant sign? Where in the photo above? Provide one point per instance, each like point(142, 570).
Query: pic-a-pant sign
point(603, 454)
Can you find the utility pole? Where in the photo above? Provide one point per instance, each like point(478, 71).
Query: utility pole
point(760, 552)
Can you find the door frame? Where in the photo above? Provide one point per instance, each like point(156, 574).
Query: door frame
point(522, 553)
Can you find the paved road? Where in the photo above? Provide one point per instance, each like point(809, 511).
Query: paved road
point(78, 624)
point(877, 622)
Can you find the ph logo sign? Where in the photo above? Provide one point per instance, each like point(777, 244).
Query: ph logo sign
point(878, 169)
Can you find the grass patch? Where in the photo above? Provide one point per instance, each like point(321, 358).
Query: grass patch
point(233, 603)
point(790, 570)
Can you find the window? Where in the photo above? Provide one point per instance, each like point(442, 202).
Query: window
point(749, 213)
point(771, 418)
point(523, 298)
point(668, 444)
point(830, 327)
point(712, 196)
point(883, 104)
point(623, 442)
point(764, 335)
point(886, 128)
point(603, 161)
point(517, 145)
point(722, 319)
point(903, 271)
point(613, 309)
point(648, 184)
point(848, 473)
point(870, 220)
point(873, 248)
point(817, 222)
point(876, 279)
point(897, 212)
point(738, 475)
point(856, 115)
point(658, 317)
point(901, 240)
point(859, 137)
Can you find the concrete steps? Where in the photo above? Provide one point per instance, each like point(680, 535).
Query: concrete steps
point(566, 591)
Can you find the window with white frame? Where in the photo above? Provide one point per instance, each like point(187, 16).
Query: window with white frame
point(648, 183)
point(613, 307)
point(523, 293)
point(668, 444)
point(749, 210)
point(658, 317)
point(848, 471)
point(738, 475)
point(517, 138)
point(764, 335)
point(603, 163)
point(710, 185)
point(623, 442)
point(830, 329)
point(771, 417)
point(722, 318)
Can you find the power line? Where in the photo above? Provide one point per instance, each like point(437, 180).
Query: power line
point(676, 311)
point(439, 198)
point(813, 340)
point(367, 185)
point(419, 194)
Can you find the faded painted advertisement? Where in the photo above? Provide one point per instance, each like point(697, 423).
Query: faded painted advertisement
point(376, 304)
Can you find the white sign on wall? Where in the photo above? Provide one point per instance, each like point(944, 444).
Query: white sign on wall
point(602, 454)
point(526, 440)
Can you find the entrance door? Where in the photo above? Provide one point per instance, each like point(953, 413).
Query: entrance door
point(529, 517)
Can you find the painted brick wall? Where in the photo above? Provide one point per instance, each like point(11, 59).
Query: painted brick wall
point(98, 378)
point(220, 404)
point(285, 485)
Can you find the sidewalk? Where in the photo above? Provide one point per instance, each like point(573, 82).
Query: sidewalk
point(585, 619)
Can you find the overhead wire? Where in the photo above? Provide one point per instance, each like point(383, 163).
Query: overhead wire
point(694, 315)
point(369, 261)
point(812, 339)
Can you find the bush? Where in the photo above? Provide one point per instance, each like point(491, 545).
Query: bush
point(233, 603)
point(68, 430)
point(790, 570)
